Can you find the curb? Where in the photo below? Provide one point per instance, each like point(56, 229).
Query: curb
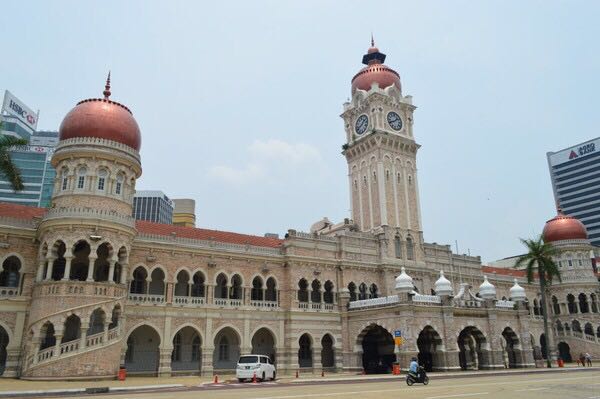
point(71, 391)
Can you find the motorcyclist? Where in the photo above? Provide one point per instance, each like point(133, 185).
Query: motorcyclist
point(414, 367)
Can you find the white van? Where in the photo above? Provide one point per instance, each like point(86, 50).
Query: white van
point(250, 365)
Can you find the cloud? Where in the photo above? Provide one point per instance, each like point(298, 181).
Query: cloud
point(266, 159)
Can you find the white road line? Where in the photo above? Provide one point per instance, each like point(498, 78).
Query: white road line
point(460, 395)
point(531, 389)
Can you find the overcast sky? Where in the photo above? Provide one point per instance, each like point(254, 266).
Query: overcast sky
point(239, 102)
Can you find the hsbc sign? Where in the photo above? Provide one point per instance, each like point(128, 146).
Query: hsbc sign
point(13, 106)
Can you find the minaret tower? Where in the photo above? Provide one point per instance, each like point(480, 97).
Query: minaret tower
point(76, 322)
point(381, 152)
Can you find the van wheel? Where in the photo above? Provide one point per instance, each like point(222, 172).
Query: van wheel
point(264, 377)
point(240, 380)
point(274, 376)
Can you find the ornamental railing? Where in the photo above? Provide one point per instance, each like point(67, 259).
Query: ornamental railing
point(146, 299)
point(367, 303)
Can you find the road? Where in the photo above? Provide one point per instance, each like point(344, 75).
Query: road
point(579, 385)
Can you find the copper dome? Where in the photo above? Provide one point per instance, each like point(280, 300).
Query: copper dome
point(563, 227)
point(375, 72)
point(102, 118)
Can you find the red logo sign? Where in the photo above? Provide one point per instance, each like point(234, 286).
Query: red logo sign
point(572, 155)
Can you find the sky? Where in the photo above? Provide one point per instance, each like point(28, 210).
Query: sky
point(239, 102)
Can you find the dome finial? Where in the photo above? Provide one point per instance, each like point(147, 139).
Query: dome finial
point(106, 91)
point(372, 40)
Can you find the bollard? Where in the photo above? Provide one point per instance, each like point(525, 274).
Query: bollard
point(296, 373)
point(254, 378)
point(322, 373)
point(216, 379)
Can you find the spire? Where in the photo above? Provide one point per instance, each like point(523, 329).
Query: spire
point(106, 91)
point(372, 40)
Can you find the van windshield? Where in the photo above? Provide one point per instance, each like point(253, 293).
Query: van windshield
point(248, 359)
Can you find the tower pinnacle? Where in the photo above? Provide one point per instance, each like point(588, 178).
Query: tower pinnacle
point(106, 91)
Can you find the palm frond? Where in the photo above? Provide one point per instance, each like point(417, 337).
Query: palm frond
point(9, 169)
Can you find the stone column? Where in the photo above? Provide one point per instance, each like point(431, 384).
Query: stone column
point(35, 348)
point(40, 272)
point(209, 294)
point(58, 336)
point(50, 260)
point(105, 336)
point(84, 327)
point(68, 260)
point(13, 354)
point(111, 270)
point(124, 271)
point(92, 261)
point(206, 367)
point(164, 362)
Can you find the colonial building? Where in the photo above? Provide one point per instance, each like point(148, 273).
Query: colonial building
point(85, 288)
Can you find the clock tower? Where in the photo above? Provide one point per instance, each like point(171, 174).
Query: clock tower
point(381, 152)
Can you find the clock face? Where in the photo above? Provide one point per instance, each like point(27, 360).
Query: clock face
point(394, 120)
point(361, 124)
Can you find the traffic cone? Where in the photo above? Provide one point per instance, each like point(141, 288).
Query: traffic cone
point(322, 373)
point(216, 379)
point(296, 373)
point(254, 378)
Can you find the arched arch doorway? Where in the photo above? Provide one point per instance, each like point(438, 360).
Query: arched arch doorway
point(564, 351)
point(429, 343)
point(305, 355)
point(142, 354)
point(378, 350)
point(512, 351)
point(543, 346)
point(473, 351)
point(3, 345)
point(263, 343)
point(227, 349)
point(186, 357)
point(327, 352)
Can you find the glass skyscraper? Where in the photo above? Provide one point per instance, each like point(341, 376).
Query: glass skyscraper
point(575, 174)
point(153, 206)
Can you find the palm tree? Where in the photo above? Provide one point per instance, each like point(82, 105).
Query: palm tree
point(539, 259)
point(7, 167)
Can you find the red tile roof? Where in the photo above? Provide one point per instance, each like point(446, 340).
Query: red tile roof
point(204, 234)
point(20, 211)
point(501, 271)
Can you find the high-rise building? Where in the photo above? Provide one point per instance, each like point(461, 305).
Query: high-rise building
point(17, 118)
point(152, 206)
point(575, 174)
point(184, 213)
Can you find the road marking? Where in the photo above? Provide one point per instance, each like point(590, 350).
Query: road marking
point(530, 389)
point(460, 395)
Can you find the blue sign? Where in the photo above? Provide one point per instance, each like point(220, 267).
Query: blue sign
point(397, 333)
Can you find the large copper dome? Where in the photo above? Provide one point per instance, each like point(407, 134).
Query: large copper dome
point(375, 72)
point(102, 118)
point(563, 227)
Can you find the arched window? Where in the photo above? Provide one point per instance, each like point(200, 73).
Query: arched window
point(555, 305)
point(138, 283)
point(583, 303)
point(47, 333)
point(119, 184)
point(410, 251)
point(571, 304)
point(157, 282)
point(315, 294)
point(362, 291)
point(271, 292)
point(328, 294)
point(536, 308)
point(221, 287)
point(198, 285)
point(182, 285)
point(96, 322)
point(64, 177)
point(302, 290)
point(9, 276)
point(257, 289)
point(236, 287)
point(576, 326)
point(81, 172)
point(224, 348)
point(588, 329)
point(373, 291)
point(398, 247)
point(176, 354)
point(102, 175)
point(72, 329)
point(352, 289)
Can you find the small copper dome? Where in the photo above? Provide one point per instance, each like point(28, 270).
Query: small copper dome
point(375, 72)
point(102, 118)
point(563, 227)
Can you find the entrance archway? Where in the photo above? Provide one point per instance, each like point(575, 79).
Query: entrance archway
point(428, 343)
point(142, 354)
point(227, 349)
point(378, 350)
point(186, 357)
point(3, 345)
point(472, 345)
point(564, 351)
point(543, 346)
point(327, 352)
point(512, 352)
point(305, 355)
point(263, 343)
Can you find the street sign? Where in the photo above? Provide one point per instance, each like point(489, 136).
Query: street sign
point(397, 333)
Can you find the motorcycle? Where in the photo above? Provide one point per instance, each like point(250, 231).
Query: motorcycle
point(420, 377)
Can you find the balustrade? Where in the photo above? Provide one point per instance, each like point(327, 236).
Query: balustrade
point(383, 301)
point(67, 347)
point(188, 300)
point(303, 305)
point(6, 292)
point(264, 304)
point(228, 302)
point(45, 354)
point(505, 304)
point(94, 340)
point(146, 299)
point(79, 288)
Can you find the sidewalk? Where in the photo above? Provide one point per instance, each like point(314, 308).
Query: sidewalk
point(14, 387)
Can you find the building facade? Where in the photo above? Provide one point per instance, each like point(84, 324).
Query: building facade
point(85, 287)
point(575, 175)
point(153, 206)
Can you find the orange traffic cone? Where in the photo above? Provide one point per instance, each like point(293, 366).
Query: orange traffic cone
point(216, 379)
point(254, 378)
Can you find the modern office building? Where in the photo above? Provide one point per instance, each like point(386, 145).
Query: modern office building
point(575, 174)
point(17, 118)
point(184, 213)
point(152, 206)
